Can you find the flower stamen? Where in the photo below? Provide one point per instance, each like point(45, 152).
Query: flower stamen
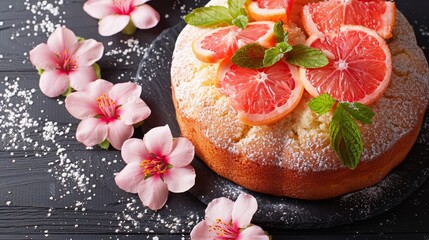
point(107, 106)
point(224, 230)
point(153, 167)
point(65, 62)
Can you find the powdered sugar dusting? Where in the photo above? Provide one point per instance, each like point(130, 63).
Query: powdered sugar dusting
point(46, 17)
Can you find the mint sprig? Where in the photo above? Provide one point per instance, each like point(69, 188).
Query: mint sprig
point(211, 16)
point(299, 55)
point(250, 56)
point(344, 133)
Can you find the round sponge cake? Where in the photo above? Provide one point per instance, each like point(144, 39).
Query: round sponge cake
point(293, 157)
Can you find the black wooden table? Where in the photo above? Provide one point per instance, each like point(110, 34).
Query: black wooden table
point(53, 187)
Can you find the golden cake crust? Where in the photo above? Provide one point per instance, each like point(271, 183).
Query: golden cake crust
point(292, 157)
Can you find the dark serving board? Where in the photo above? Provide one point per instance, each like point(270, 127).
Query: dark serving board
point(154, 75)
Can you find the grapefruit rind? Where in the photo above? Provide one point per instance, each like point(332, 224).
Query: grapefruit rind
point(368, 99)
point(264, 14)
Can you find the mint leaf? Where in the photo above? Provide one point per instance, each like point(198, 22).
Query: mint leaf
point(345, 138)
point(284, 47)
point(209, 16)
point(236, 7)
point(241, 21)
point(279, 33)
point(307, 57)
point(105, 144)
point(272, 56)
point(358, 111)
point(250, 56)
point(322, 104)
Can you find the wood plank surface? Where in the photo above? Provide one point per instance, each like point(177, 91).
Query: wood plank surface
point(52, 187)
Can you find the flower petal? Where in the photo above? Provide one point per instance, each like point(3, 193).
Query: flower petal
point(119, 133)
point(201, 232)
point(144, 17)
point(81, 105)
point(180, 179)
point(253, 232)
point(99, 8)
point(91, 131)
point(139, 2)
point(53, 83)
point(219, 208)
point(130, 177)
point(62, 39)
point(42, 57)
point(182, 153)
point(244, 208)
point(121, 92)
point(134, 150)
point(88, 52)
point(134, 111)
point(159, 140)
point(98, 88)
point(153, 192)
point(81, 77)
point(112, 24)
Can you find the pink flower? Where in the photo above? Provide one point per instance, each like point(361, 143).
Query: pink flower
point(226, 219)
point(117, 15)
point(107, 111)
point(156, 165)
point(65, 61)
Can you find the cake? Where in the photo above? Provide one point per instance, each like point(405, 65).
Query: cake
point(293, 157)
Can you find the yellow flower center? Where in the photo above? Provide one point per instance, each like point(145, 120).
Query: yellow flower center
point(153, 167)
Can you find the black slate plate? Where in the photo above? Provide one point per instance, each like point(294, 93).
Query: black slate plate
point(154, 75)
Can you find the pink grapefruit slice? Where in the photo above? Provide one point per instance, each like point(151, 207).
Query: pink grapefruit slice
point(221, 43)
point(359, 69)
point(330, 15)
point(269, 10)
point(262, 96)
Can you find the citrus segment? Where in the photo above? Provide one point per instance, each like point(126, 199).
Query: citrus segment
point(261, 96)
point(330, 15)
point(269, 10)
point(359, 68)
point(222, 42)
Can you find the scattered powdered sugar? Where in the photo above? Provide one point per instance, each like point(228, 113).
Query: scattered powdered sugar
point(129, 50)
point(77, 173)
point(15, 120)
point(130, 219)
point(46, 16)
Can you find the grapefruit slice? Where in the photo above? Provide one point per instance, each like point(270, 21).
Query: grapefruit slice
point(330, 15)
point(274, 10)
point(359, 69)
point(269, 10)
point(261, 96)
point(222, 43)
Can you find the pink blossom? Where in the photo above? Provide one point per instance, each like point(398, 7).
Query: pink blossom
point(156, 165)
point(125, 15)
point(227, 220)
point(65, 61)
point(108, 112)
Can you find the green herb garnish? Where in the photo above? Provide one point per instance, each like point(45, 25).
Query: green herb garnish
point(299, 55)
point(344, 133)
point(212, 16)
